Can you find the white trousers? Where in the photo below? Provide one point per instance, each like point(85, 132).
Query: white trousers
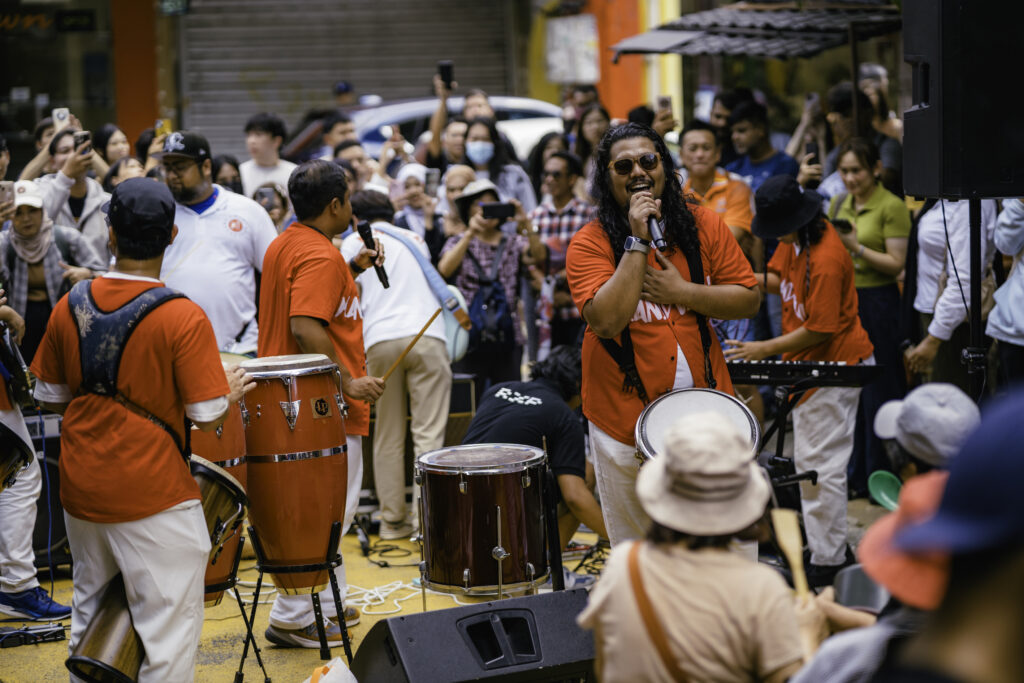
point(616, 468)
point(163, 560)
point(823, 428)
point(296, 611)
point(18, 518)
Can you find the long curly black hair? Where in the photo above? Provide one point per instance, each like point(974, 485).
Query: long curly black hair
point(680, 223)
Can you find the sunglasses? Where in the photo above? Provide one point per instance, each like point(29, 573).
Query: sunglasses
point(648, 162)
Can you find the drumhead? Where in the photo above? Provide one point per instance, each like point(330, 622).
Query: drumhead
point(282, 366)
point(483, 457)
point(667, 408)
point(228, 359)
point(216, 471)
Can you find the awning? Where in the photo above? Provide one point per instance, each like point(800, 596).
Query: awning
point(779, 30)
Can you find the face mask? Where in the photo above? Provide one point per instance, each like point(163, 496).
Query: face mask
point(234, 185)
point(479, 152)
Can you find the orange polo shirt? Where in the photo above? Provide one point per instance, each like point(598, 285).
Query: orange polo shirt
point(656, 329)
point(729, 197)
point(304, 274)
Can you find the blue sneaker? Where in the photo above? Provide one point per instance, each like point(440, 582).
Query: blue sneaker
point(35, 604)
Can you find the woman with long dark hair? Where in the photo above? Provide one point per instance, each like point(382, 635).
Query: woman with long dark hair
point(548, 144)
point(647, 311)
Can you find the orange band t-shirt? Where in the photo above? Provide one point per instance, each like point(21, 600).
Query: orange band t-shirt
point(828, 306)
point(657, 330)
point(304, 274)
point(116, 466)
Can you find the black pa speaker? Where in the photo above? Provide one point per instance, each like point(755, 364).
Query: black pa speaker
point(533, 638)
point(963, 134)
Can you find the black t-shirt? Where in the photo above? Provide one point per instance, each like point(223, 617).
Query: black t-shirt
point(526, 412)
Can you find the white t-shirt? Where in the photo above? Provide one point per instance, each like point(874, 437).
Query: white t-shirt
point(402, 309)
point(213, 259)
point(254, 175)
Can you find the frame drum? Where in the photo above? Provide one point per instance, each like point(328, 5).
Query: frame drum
point(667, 408)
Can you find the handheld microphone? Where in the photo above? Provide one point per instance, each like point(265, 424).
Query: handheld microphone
point(363, 228)
point(657, 235)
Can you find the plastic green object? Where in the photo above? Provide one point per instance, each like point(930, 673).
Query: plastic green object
point(885, 487)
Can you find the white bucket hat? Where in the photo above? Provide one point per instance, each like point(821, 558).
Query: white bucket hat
point(932, 422)
point(705, 483)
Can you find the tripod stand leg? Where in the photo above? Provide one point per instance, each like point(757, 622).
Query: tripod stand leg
point(321, 629)
point(339, 605)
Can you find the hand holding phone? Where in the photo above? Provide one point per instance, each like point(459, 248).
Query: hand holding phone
point(83, 137)
point(61, 118)
point(664, 102)
point(433, 181)
point(162, 127)
point(6, 191)
point(446, 70)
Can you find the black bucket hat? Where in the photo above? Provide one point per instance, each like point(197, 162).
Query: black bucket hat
point(783, 207)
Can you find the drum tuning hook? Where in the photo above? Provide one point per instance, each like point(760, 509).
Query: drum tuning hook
point(291, 412)
point(245, 413)
point(499, 553)
point(463, 486)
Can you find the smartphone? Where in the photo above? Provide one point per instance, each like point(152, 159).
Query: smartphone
point(264, 196)
point(446, 70)
point(498, 210)
point(433, 181)
point(812, 148)
point(61, 118)
point(82, 137)
point(664, 102)
point(162, 127)
point(842, 225)
point(6, 191)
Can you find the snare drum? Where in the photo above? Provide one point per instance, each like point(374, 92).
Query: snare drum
point(225, 448)
point(296, 463)
point(667, 408)
point(481, 509)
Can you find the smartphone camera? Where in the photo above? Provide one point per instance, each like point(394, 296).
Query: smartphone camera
point(433, 181)
point(498, 210)
point(446, 70)
point(842, 225)
point(81, 137)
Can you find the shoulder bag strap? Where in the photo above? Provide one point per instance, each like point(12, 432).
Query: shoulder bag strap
point(437, 284)
point(650, 618)
point(498, 255)
point(840, 198)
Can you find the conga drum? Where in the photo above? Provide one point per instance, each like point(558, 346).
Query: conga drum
point(224, 508)
point(660, 413)
point(482, 513)
point(225, 448)
point(296, 462)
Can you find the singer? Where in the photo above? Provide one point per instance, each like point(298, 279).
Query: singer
point(647, 328)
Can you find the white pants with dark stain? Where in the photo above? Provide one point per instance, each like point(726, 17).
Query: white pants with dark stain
point(18, 518)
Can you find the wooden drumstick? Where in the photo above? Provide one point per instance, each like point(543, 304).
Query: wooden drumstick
point(411, 344)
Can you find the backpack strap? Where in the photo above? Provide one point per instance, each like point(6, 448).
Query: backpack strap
point(495, 267)
point(625, 358)
point(102, 337)
point(650, 617)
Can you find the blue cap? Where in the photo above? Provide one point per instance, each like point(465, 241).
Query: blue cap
point(983, 507)
point(139, 204)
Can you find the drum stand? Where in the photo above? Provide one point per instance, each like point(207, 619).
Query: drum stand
point(551, 520)
point(333, 559)
point(230, 584)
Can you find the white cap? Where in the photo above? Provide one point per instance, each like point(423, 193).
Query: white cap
point(27, 193)
point(932, 422)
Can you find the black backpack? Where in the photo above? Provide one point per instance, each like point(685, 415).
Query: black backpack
point(490, 310)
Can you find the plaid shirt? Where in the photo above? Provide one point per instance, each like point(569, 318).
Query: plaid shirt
point(557, 227)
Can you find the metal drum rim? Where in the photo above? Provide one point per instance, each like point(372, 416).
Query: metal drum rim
point(296, 456)
point(300, 364)
point(643, 445)
point(538, 457)
point(218, 472)
point(506, 588)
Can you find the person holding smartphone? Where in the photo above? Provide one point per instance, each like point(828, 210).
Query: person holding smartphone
point(70, 196)
point(472, 258)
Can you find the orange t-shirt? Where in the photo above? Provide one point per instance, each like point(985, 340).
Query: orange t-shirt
point(829, 306)
point(305, 274)
point(116, 466)
point(5, 400)
point(728, 197)
point(656, 329)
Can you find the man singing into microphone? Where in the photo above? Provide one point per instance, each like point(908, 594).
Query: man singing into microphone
point(646, 311)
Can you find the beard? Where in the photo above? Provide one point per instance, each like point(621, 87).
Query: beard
point(186, 195)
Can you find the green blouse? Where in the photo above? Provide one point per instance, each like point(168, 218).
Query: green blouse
point(884, 216)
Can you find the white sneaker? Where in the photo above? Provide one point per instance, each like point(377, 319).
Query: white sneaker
point(391, 531)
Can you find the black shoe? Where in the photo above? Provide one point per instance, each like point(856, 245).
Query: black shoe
point(821, 575)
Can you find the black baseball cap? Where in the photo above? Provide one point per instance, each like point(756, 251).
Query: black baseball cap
point(182, 143)
point(138, 205)
point(782, 207)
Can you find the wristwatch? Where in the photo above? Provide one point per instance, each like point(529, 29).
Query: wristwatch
point(637, 244)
